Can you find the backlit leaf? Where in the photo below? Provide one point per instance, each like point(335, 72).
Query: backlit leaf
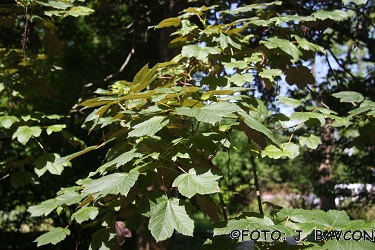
point(24, 133)
point(8, 121)
point(311, 141)
point(173, 21)
point(55, 128)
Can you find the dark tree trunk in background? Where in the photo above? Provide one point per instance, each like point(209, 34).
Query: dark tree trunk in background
point(170, 9)
point(325, 184)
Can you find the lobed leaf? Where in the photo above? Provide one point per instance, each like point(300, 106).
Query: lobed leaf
point(149, 127)
point(8, 121)
point(117, 183)
point(84, 214)
point(46, 207)
point(349, 96)
point(54, 236)
point(24, 133)
point(166, 215)
point(191, 183)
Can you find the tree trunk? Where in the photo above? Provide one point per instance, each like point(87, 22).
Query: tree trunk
point(325, 184)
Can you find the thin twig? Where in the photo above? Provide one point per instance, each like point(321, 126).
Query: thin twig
point(222, 204)
point(256, 182)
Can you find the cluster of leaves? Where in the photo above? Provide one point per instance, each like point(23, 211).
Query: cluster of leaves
point(165, 126)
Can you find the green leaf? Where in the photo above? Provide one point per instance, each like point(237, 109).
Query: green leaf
point(85, 213)
point(311, 141)
point(270, 73)
point(289, 101)
point(235, 64)
point(54, 236)
point(256, 125)
point(24, 133)
point(303, 43)
point(357, 2)
point(117, 183)
point(305, 116)
point(174, 21)
point(65, 159)
point(201, 53)
point(191, 183)
point(57, 4)
point(120, 160)
point(69, 198)
point(149, 127)
point(210, 113)
point(349, 244)
point(225, 40)
point(332, 220)
point(167, 215)
point(46, 207)
point(289, 150)
point(20, 178)
point(7, 121)
point(241, 79)
point(349, 96)
point(285, 45)
point(47, 162)
point(337, 15)
point(249, 223)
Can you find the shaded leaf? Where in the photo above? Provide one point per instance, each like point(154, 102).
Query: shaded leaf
point(208, 207)
point(47, 162)
point(255, 124)
point(300, 76)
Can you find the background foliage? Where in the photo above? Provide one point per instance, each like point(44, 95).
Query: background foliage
point(196, 127)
